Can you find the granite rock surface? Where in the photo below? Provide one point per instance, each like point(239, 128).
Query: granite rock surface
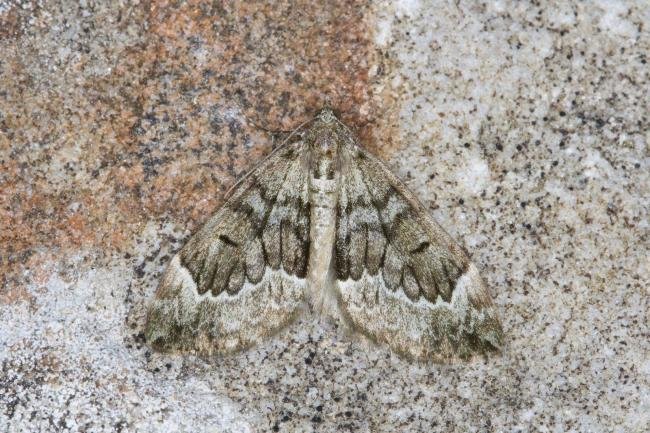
point(523, 128)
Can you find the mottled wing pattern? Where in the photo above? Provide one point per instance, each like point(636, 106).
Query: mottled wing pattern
point(241, 277)
point(400, 278)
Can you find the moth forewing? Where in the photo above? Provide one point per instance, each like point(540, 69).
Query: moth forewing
point(232, 284)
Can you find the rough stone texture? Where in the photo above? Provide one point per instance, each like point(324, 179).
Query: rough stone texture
point(523, 127)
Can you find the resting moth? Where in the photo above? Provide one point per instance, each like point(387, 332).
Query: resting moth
point(323, 226)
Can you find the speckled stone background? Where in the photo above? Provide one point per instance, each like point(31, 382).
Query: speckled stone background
point(523, 127)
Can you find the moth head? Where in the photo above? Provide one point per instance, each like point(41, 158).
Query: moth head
point(324, 138)
point(326, 115)
point(326, 132)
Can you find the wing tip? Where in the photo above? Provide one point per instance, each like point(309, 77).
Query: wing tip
point(472, 301)
point(180, 320)
point(442, 332)
point(166, 332)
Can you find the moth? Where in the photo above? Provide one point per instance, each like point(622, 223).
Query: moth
point(322, 226)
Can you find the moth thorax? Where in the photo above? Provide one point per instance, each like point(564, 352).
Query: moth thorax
point(324, 149)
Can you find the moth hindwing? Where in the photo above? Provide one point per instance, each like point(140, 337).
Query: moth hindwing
point(323, 224)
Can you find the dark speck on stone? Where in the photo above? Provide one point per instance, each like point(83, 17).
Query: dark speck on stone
point(139, 270)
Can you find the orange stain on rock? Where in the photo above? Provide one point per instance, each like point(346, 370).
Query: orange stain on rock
point(14, 295)
point(281, 61)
